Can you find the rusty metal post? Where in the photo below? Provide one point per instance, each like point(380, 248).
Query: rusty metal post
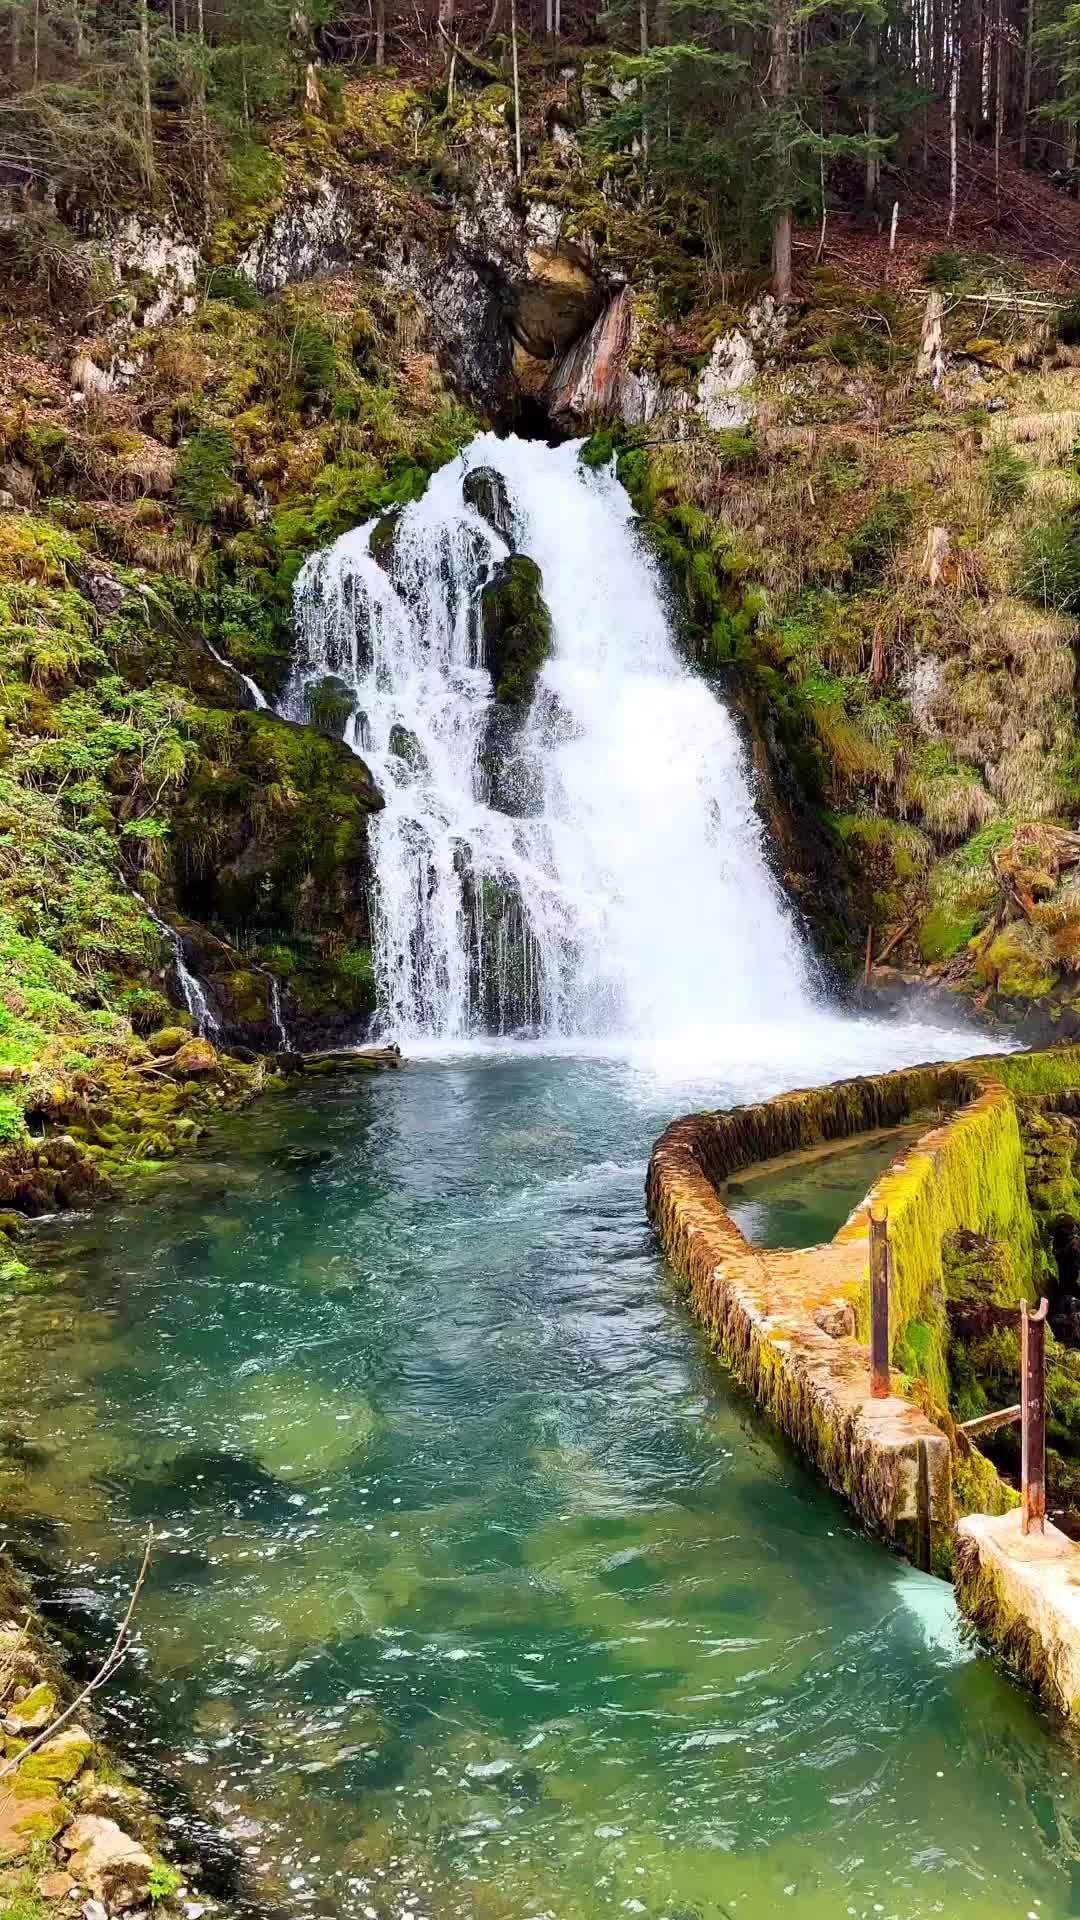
point(1033, 1418)
point(879, 1305)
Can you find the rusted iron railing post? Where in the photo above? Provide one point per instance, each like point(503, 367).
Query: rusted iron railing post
point(879, 1304)
point(1033, 1418)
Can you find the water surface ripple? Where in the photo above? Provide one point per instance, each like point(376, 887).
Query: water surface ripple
point(483, 1593)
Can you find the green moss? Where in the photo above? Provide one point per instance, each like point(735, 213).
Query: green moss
point(943, 933)
point(40, 1699)
point(54, 1766)
point(517, 629)
point(1015, 964)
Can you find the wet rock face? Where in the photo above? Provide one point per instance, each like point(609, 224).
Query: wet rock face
point(517, 629)
point(280, 842)
point(486, 490)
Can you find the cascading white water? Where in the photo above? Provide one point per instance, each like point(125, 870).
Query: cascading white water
point(203, 1017)
point(633, 899)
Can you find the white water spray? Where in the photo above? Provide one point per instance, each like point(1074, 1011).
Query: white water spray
point(203, 1017)
point(258, 698)
point(631, 900)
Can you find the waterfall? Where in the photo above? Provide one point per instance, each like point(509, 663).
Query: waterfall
point(258, 698)
point(631, 890)
point(203, 1017)
point(276, 1014)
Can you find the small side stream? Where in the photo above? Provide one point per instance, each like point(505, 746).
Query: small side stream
point(803, 1199)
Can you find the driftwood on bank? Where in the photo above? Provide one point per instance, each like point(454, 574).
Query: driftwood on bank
point(342, 1060)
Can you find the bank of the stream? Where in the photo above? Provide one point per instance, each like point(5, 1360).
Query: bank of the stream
point(480, 1590)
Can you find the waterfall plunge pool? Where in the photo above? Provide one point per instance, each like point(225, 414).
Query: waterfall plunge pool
point(482, 1593)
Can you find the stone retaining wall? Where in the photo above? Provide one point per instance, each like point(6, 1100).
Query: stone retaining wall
point(786, 1322)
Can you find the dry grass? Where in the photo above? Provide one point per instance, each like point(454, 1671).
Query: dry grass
point(1066, 946)
point(857, 759)
point(1048, 436)
point(951, 805)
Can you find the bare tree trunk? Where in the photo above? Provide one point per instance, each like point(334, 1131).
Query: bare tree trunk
point(780, 49)
point(643, 47)
point(873, 162)
point(517, 85)
point(1025, 98)
point(146, 129)
point(446, 24)
point(954, 101)
point(999, 95)
point(380, 33)
point(37, 40)
point(15, 48)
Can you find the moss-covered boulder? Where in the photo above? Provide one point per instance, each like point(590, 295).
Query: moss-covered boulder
point(167, 1040)
point(56, 1764)
point(32, 1713)
point(195, 1057)
point(517, 629)
point(330, 705)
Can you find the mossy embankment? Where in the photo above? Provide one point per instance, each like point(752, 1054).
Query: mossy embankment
point(162, 482)
point(74, 1825)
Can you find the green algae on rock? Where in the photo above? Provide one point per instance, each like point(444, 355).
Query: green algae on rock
point(517, 629)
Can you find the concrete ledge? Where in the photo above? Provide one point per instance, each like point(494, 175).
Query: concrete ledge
point(1024, 1596)
point(759, 1308)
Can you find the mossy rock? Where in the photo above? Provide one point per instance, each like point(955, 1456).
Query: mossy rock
point(34, 1712)
point(195, 1057)
point(517, 629)
point(381, 541)
point(1016, 964)
point(167, 1040)
point(330, 705)
point(56, 1764)
point(407, 747)
point(275, 832)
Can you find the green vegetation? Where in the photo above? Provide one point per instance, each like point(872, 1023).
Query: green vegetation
point(162, 1883)
point(517, 629)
